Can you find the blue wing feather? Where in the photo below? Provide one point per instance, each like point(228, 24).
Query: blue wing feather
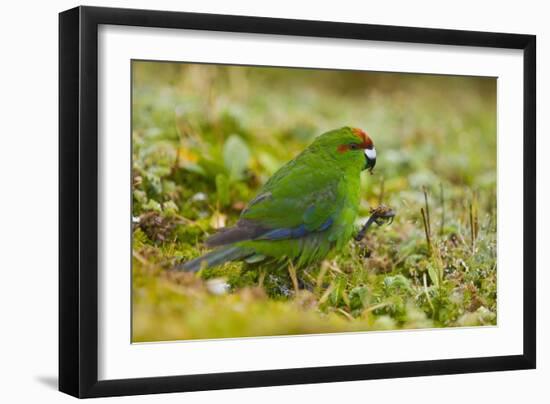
point(326, 224)
point(295, 232)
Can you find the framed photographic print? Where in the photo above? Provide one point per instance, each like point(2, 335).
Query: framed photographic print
point(251, 201)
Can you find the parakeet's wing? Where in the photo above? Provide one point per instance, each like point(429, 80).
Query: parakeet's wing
point(297, 200)
point(298, 196)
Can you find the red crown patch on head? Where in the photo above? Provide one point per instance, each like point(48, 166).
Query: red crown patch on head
point(366, 141)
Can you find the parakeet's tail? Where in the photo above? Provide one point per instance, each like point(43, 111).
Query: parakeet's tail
point(213, 258)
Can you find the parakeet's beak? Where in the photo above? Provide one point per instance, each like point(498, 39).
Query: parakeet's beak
point(370, 155)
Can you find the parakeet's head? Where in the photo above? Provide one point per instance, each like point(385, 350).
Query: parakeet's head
point(348, 147)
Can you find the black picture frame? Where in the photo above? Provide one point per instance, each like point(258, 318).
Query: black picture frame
point(78, 200)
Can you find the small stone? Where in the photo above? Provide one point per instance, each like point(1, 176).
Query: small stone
point(199, 197)
point(217, 286)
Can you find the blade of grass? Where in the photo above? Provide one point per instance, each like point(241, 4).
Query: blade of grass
point(261, 278)
point(322, 273)
point(426, 204)
point(293, 277)
point(442, 202)
point(426, 230)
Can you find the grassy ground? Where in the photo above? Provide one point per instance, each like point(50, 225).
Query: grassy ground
point(204, 140)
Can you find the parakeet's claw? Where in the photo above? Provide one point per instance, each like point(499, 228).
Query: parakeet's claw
point(379, 215)
point(388, 219)
point(383, 214)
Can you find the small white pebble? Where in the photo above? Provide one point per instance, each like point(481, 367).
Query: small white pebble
point(199, 197)
point(217, 286)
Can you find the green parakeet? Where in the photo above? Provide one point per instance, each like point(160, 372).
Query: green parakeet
point(305, 210)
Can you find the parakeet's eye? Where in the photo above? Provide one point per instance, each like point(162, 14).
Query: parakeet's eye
point(354, 146)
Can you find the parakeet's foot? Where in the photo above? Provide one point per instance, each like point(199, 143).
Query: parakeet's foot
point(379, 215)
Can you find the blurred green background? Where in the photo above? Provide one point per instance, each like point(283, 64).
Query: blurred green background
point(204, 139)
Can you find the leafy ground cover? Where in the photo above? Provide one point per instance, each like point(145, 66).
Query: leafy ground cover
point(206, 137)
